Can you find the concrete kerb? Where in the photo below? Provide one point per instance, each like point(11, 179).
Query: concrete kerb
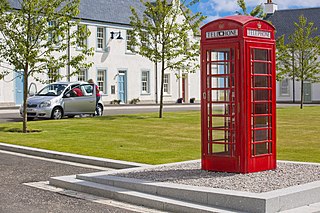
point(95, 161)
point(273, 201)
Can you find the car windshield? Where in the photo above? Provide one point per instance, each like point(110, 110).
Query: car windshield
point(52, 90)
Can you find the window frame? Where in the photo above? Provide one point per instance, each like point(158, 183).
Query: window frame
point(104, 33)
point(50, 76)
point(281, 87)
point(128, 51)
point(84, 41)
point(85, 76)
point(147, 82)
point(104, 87)
point(166, 84)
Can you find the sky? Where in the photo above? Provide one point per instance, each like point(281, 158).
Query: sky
point(215, 9)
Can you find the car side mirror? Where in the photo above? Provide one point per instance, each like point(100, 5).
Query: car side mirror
point(67, 95)
point(32, 93)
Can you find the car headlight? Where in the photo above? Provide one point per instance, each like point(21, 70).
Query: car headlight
point(45, 104)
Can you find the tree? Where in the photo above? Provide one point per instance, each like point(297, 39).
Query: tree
point(256, 12)
point(35, 38)
point(162, 35)
point(299, 57)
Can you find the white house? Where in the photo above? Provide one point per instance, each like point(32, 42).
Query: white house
point(119, 73)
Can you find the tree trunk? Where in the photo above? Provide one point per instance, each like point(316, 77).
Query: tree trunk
point(293, 79)
point(161, 90)
point(302, 95)
point(156, 86)
point(25, 96)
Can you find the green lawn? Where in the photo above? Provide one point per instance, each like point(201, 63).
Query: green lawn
point(145, 138)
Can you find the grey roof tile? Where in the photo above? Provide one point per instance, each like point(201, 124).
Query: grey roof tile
point(283, 20)
point(110, 11)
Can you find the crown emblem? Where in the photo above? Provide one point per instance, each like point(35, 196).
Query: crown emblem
point(221, 25)
point(259, 25)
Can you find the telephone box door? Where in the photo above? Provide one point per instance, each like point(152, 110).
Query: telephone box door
point(262, 103)
point(219, 72)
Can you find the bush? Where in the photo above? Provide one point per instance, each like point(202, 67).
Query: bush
point(115, 101)
point(134, 101)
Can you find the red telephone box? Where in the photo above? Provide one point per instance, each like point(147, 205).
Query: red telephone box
point(238, 85)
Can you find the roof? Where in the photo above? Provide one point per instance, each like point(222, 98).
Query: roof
point(283, 20)
point(110, 11)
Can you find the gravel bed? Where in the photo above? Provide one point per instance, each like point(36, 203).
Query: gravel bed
point(189, 173)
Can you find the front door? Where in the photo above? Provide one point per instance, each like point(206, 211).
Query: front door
point(18, 87)
point(122, 85)
point(185, 88)
point(307, 92)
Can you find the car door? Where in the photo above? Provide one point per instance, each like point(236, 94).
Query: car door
point(80, 99)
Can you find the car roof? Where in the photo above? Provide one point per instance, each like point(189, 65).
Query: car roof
point(70, 83)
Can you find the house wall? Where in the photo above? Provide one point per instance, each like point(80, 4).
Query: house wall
point(315, 95)
point(115, 58)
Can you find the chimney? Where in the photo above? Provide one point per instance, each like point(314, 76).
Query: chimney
point(270, 7)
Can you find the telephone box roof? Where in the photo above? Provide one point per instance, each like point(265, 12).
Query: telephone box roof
point(241, 19)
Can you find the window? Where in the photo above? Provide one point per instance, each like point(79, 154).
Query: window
point(101, 80)
point(52, 34)
point(82, 32)
point(100, 38)
point(145, 41)
point(284, 87)
point(166, 83)
point(82, 76)
point(130, 48)
point(53, 75)
point(145, 82)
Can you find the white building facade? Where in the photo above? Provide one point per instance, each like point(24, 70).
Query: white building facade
point(119, 73)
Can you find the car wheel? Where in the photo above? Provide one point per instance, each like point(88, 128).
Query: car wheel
point(99, 111)
point(56, 113)
point(30, 118)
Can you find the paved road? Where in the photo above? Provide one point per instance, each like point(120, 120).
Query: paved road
point(12, 115)
point(15, 197)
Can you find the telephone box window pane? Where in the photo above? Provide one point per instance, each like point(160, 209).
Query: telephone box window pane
point(260, 54)
point(261, 81)
point(223, 68)
point(260, 95)
point(261, 108)
point(260, 135)
point(219, 136)
point(222, 109)
point(220, 82)
point(221, 149)
point(214, 69)
point(220, 55)
point(261, 68)
point(260, 149)
point(220, 95)
point(260, 122)
point(218, 68)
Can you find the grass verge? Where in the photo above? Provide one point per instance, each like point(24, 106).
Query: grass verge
point(145, 138)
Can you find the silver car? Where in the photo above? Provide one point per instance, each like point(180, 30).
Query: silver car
point(63, 99)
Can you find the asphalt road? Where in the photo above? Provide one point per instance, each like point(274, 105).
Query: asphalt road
point(15, 197)
point(13, 115)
